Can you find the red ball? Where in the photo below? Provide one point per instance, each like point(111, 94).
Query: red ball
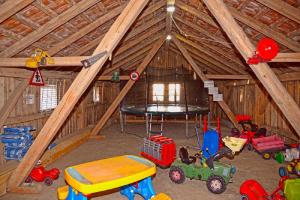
point(267, 48)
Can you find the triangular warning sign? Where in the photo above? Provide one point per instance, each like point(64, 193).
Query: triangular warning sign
point(37, 78)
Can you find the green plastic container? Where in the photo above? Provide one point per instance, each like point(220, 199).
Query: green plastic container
point(292, 189)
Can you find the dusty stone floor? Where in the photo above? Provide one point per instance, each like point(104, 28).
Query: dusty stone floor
point(249, 166)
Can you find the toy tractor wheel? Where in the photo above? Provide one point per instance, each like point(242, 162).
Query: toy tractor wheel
point(266, 156)
point(244, 197)
point(249, 147)
point(176, 175)
point(29, 179)
point(48, 181)
point(43, 61)
point(283, 171)
point(216, 184)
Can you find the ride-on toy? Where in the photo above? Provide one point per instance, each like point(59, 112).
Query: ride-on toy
point(216, 174)
point(249, 131)
point(252, 190)
point(40, 174)
point(292, 168)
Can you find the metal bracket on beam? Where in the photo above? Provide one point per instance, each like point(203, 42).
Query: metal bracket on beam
point(90, 61)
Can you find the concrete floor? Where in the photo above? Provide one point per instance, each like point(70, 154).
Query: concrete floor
point(249, 166)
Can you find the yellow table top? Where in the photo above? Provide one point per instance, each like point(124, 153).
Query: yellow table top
point(109, 173)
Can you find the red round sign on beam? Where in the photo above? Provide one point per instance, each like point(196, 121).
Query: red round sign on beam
point(134, 76)
point(266, 50)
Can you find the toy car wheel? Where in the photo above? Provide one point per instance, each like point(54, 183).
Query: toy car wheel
point(29, 179)
point(216, 184)
point(266, 156)
point(48, 181)
point(176, 175)
point(249, 147)
point(283, 172)
point(244, 197)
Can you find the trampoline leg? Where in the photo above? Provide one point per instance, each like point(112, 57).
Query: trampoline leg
point(147, 124)
point(186, 125)
point(121, 122)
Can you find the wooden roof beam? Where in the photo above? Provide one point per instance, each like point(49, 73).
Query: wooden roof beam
point(126, 88)
point(202, 76)
point(9, 8)
point(48, 27)
point(212, 55)
point(75, 91)
point(287, 57)
point(264, 29)
point(269, 80)
point(130, 35)
point(283, 8)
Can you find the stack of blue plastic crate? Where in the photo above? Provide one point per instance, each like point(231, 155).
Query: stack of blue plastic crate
point(17, 141)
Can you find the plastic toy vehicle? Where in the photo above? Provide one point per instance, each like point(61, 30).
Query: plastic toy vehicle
point(267, 146)
point(217, 175)
point(252, 190)
point(39, 57)
point(40, 174)
point(249, 131)
point(292, 168)
point(160, 150)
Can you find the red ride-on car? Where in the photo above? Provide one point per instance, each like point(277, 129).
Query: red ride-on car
point(40, 174)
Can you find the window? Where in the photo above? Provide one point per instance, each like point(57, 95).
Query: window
point(174, 91)
point(96, 94)
point(48, 97)
point(158, 92)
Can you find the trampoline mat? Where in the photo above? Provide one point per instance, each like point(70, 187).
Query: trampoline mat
point(164, 109)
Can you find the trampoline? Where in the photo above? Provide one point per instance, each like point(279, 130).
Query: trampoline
point(167, 110)
point(142, 100)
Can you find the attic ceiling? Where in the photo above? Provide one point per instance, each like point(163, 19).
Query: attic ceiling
point(75, 28)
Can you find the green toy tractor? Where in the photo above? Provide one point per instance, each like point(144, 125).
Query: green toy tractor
point(216, 174)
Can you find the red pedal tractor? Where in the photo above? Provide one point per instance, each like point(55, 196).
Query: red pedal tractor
point(249, 131)
point(40, 174)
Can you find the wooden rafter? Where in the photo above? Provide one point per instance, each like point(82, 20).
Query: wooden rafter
point(264, 29)
point(75, 91)
point(283, 8)
point(287, 57)
point(277, 91)
point(9, 8)
point(202, 76)
point(126, 88)
point(234, 67)
point(47, 28)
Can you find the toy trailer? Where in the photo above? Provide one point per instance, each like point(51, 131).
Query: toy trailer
point(160, 150)
point(267, 146)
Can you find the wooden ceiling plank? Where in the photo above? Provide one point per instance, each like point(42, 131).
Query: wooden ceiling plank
point(212, 55)
point(263, 72)
point(283, 8)
point(85, 30)
point(127, 87)
point(130, 35)
point(47, 28)
point(9, 8)
point(75, 91)
point(202, 76)
point(264, 29)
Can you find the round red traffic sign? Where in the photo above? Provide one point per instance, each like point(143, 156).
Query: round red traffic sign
point(134, 76)
point(267, 48)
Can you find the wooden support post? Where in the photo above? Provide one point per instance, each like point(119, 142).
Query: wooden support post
point(263, 72)
point(202, 76)
point(126, 88)
point(12, 100)
point(78, 87)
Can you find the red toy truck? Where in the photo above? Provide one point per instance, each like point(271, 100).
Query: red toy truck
point(40, 174)
point(160, 150)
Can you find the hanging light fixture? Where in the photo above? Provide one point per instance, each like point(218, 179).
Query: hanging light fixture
point(169, 37)
point(171, 6)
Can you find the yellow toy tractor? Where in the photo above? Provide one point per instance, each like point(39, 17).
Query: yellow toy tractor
point(39, 58)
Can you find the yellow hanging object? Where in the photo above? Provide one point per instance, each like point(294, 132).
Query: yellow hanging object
point(39, 58)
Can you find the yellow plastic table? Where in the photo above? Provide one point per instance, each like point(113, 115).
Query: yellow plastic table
point(131, 173)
